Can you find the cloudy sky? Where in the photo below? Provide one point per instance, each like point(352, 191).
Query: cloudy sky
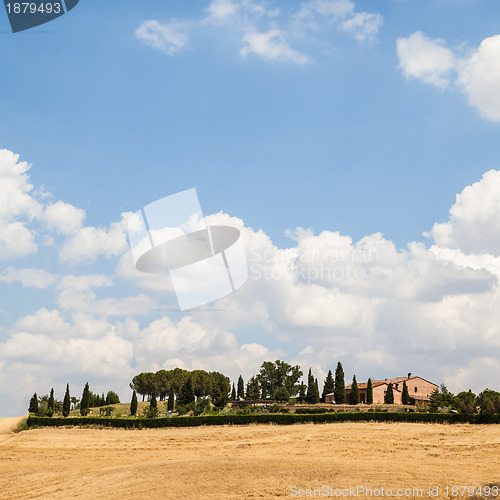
point(354, 144)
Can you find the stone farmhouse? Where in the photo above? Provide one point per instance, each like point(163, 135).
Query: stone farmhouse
point(419, 390)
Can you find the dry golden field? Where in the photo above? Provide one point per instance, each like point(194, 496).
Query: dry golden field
point(256, 461)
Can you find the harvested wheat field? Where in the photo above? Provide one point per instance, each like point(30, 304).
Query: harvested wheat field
point(256, 461)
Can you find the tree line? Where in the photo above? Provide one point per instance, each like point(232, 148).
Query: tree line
point(48, 405)
point(202, 384)
point(279, 381)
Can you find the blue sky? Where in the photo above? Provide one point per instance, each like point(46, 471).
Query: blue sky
point(333, 116)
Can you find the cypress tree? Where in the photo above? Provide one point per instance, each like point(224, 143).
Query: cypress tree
point(405, 397)
point(389, 395)
point(171, 398)
point(233, 393)
point(354, 394)
point(153, 404)
point(339, 384)
point(329, 385)
point(369, 392)
point(312, 389)
point(241, 387)
point(66, 403)
point(186, 394)
point(302, 392)
point(33, 408)
point(50, 404)
point(85, 402)
point(133, 404)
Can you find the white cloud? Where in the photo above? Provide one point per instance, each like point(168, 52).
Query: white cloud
point(91, 242)
point(479, 77)
point(16, 240)
point(265, 30)
point(476, 75)
point(474, 224)
point(221, 10)
point(271, 46)
point(17, 207)
point(30, 278)
point(63, 218)
point(363, 26)
point(427, 59)
point(167, 38)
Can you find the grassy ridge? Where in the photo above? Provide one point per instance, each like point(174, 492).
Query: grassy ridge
point(279, 419)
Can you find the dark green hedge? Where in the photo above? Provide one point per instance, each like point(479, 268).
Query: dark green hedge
point(275, 418)
point(312, 411)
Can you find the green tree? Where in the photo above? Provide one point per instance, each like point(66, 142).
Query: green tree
point(33, 408)
point(143, 384)
point(354, 393)
point(201, 383)
point(302, 392)
point(465, 402)
point(241, 387)
point(85, 402)
point(221, 387)
point(369, 392)
point(282, 395)
point(186, 394)
point(163, 379)
point(171, 399)
point(112, 398)
point(339, 384)
point(312, 395)
point(253, 389)
point(233, 393)
point(66, 402)
point(328, 386)
point(153, 403)
point(389, 395)
point(489, 401)
point(133, 404)
point(435, 400)
point(405, 397)
point(272, 376)
point(50, 404)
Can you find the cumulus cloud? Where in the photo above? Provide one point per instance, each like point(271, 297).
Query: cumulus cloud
point(474, 223)
point(21, 206)
point(379, 309)
point(17, 207)
point(168, 37)
point(63, 218)
point(91, 242)
point(425, 58)
point(30, 278)
point(477, 75)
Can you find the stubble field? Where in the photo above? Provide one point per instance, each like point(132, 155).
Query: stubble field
point(257, 461)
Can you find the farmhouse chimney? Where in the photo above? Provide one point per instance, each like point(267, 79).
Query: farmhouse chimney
point(409, 374)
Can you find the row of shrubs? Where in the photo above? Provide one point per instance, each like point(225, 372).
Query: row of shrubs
point(272, 418)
